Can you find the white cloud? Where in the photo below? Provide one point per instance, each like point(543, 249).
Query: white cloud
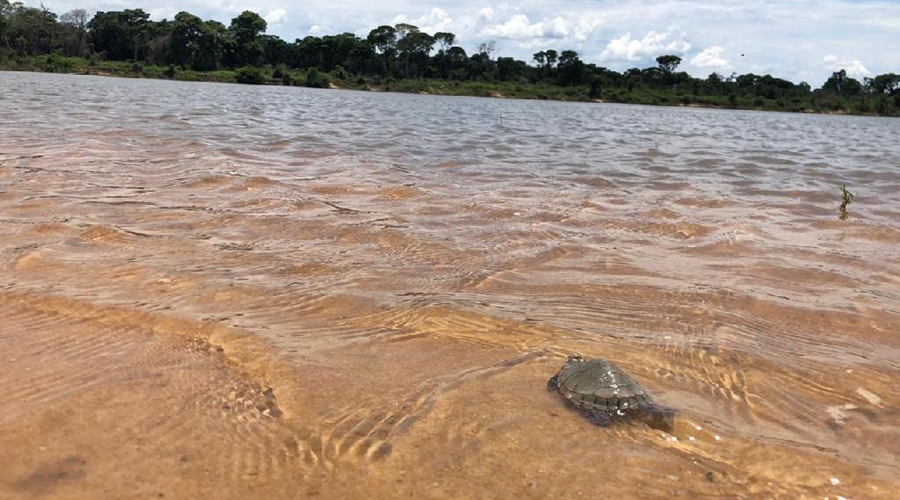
point(557, 28)
point(486, 14)
point(626, 48)
point(517, 27)
point(584, 28)
point(276, 16)
point(158, 14)
point(432, 22)
point(853, 67)
point(710, 58)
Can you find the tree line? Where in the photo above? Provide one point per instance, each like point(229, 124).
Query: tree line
point(402, 53)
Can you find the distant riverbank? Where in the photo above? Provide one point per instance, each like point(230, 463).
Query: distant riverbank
point(312, 77)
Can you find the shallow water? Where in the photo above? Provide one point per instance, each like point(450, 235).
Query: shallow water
point(226, 291)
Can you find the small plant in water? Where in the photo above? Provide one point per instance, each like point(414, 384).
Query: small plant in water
point(848, 197)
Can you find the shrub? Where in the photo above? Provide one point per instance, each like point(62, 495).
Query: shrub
point(250, 75)
point(58, 64)
point(283, 73)
point(316, 79)
point(339, 72)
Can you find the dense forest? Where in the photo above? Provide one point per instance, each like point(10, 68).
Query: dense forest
point(400, 58)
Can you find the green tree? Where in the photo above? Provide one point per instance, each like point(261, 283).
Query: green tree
point(28, 30)
point(546, 60)
point(843, 85)
point(357, 56)
point(73, 27)
point(185, 40)
point(552, 58)
point(7, 10)
point(508, 69)
point(668, 63)
point(414, 48)
point(155, 43)
point(596, 91)
point(384, 40)
point(746, 84)
point(488, 48)
point(888, 83)
point(211, 46)
point(444, 40)
point(119, 35)
point(715, 83)
point(275, 50)
point(329, 52)
point(452, 64)
point(571, 69)
point(247, 47)
point(404, 29)
point(480, 66)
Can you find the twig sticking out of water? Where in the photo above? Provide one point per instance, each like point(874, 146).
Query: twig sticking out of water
point(848, 197)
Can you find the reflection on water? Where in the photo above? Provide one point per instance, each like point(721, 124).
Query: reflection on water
point(238, 292)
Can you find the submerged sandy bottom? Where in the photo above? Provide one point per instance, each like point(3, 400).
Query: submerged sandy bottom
point(253, 338)
point(190, 310)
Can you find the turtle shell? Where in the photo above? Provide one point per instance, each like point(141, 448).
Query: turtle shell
point(597, 385)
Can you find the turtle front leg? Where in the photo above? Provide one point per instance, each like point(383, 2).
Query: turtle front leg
point(553, 383)
point(600, 418)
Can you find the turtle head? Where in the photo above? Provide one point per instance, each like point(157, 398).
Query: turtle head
point(574, 358)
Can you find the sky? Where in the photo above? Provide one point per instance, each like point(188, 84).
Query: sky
point(798, 40)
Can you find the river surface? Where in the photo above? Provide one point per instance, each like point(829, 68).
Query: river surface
point(225, 291)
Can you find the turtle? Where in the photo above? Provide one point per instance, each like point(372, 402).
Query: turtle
point(607, 394)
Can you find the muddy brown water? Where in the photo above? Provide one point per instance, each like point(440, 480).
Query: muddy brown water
point(222, 291)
